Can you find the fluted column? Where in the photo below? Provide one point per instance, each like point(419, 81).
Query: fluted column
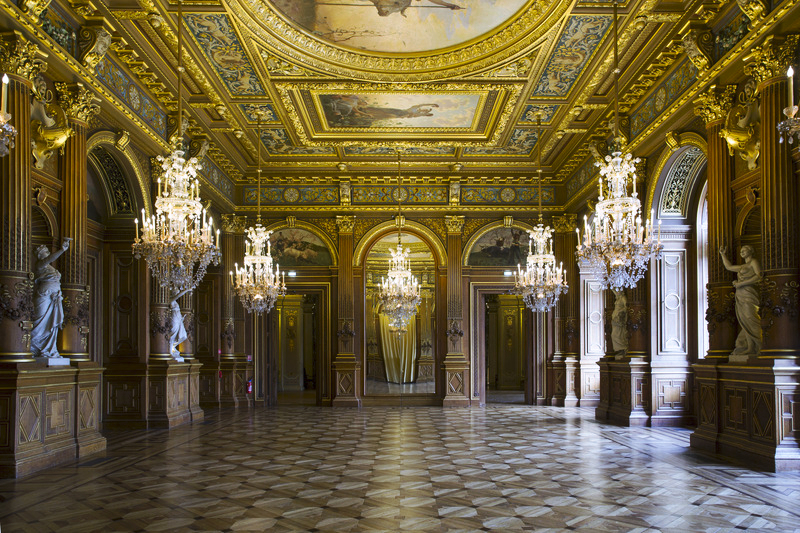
point(567, 338)
point(232, 364)
point(77, 103)
point(347, 369)
point(456, 364)
point(713, 107)
point(21, 60)
point(767, 64)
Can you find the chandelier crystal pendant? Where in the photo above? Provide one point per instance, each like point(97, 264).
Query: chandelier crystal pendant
point(7, 132)
point(399, 294)
point(256, 282)
point(617, 245)
point(790, 128)
point(541, 283)
point(178, 241)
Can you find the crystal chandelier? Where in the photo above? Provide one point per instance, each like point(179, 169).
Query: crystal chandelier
point(790, 127)
point(541, 283)
point(398, 293)
point(7, 132)
point(616, 245)
point(256, 283)
point(178, 240)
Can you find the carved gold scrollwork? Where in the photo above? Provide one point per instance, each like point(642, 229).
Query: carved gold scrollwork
point(76, 101)
point(754, 9)
point(698, 43)
point(34, 7)
point(20, 56)
point(49, 130)
point(93, 42)
point(742, 130)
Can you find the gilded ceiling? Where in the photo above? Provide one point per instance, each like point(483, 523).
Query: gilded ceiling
point(340, 84)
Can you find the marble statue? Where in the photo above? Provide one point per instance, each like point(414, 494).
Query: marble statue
point(177, 330)
point(48, 311)
point(619, 324)
point(747, 299)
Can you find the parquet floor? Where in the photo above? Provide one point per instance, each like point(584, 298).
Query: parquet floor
point(499, 468)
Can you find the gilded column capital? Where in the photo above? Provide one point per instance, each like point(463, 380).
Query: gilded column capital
point(565, 223)
point(20, 56)
point(233, 223)
point(715, 103)
point(345, 223)
point(76, 100)
point(455, 224)
point(771, 58)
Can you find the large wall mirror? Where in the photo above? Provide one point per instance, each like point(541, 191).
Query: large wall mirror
point(400, 363)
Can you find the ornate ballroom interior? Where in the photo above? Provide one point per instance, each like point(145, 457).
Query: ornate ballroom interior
point(399, 265)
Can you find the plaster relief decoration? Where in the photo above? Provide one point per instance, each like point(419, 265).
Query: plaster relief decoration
point(399, 26)
point(422, 116)
point(297, 247)
point(574, 49)
point(251, 112)
point(501, 247)
point(49, 130)
point(742, 129)
point(547, 111)
point(521, 143)
point(215, 37)
point(746, 284)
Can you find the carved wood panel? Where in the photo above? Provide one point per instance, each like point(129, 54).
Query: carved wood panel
point(205, 338)
point(122, 316)
point(594, 332)
point(58, 417)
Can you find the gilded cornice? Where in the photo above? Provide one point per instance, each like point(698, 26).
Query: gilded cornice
point(715, 103)
point(21, 57)
point(76, 100)
point(772, 58)
point(706, 78)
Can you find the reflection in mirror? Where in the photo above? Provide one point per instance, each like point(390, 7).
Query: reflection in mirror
point(506, 345)
point(400, 363)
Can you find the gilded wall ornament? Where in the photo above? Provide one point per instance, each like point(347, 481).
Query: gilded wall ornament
point(742, 130)
point(234, 223)
point(49, 131)
point(344, 192)
point(454, 224)
point(698, 43)
point(565, 223)
point(33, 7)
point(755, 11)
point(93, 42)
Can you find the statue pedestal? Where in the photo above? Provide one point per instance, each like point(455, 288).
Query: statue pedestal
point(57, 361)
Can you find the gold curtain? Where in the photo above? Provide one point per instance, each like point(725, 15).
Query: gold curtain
point(399, 351)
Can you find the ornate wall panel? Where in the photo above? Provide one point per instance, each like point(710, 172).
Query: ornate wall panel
point(673, 319)
point(123, 333)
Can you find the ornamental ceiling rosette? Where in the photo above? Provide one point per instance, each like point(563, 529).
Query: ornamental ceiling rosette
point(399, 40)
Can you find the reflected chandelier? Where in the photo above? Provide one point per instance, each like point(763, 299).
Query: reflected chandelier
point(178, 240)
point(541, 283)
point(398, 293)
point(616, 245)
point(256, 283)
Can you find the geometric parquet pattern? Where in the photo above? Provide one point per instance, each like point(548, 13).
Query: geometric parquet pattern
point(498, 468)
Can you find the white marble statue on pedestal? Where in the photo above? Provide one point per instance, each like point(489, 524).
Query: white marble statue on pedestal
point(177, 330)
point(747, 299)
point(48, 311)
point(619, 324)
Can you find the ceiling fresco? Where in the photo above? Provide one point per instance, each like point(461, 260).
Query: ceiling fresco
point(398, 26)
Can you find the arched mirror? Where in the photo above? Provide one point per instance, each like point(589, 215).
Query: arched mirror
point(400, 362)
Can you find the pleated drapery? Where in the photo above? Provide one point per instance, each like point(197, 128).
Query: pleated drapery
point(399, 351)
